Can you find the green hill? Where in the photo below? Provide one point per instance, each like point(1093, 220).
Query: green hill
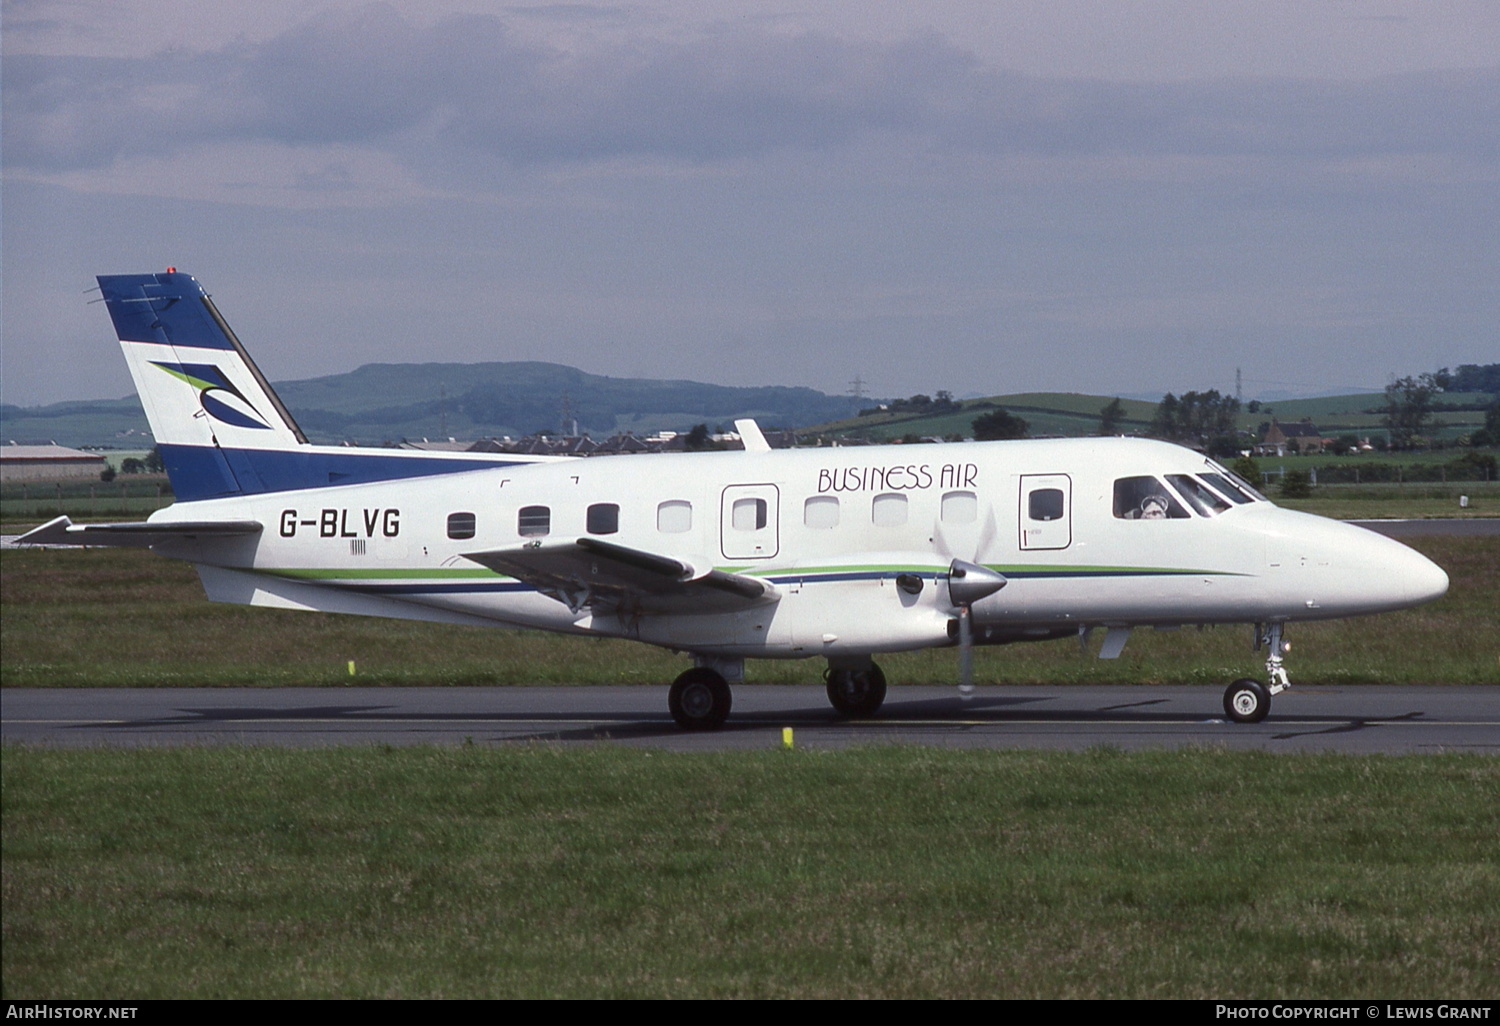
point(1075, 414)
point(1458, 413)
point(119, 423)
point(379, 402)
point(1046, 413)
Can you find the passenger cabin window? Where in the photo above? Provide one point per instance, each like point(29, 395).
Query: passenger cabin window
point(1046, 504)
point(1198, 495)
point(534, 521)
point(960, 508)
point(748, 514)
point(888, 510)
point(460, 525)
point(674, 516)
point(1146, 498)
point(821, 512)
point(603, 518)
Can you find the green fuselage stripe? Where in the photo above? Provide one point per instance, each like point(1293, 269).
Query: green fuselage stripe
point(482, 573)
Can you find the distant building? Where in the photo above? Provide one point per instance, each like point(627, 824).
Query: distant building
point(1295, 438)
point(623, 444)
point(540, 445)
point(48, 463)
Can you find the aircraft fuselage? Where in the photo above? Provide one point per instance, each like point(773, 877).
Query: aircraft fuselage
point(839, 553)
point(832, 530)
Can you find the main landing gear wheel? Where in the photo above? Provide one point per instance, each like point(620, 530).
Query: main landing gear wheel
point(1247, 701)
point(856, 692)
point(699, 699)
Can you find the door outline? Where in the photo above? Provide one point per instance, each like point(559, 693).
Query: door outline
point(758, 543)
point(1038, 534)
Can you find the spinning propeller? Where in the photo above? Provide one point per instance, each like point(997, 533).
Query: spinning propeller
point(968, 582)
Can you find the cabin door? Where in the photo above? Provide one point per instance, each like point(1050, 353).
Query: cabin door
point(1046, 511)
point(748, 518)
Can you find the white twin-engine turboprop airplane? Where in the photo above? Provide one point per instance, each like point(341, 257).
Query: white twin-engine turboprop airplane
point(839, 553)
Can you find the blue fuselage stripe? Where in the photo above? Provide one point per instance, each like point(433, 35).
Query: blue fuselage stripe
point(204, 472)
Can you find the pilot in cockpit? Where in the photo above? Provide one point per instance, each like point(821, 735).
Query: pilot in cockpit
point(1145, 498)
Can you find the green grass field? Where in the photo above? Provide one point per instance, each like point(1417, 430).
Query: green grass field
point(884, 872)
point(533, 871)
point(1403, 502)
point(119, 617)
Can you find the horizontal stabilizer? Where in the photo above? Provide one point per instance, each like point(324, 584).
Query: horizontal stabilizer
point(63, 531)
point(609, 578)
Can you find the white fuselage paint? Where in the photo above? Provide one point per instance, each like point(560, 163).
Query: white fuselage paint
point(836, 527)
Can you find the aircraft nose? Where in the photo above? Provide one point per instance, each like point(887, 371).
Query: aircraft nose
point(1367, 572)
point(1424, 580)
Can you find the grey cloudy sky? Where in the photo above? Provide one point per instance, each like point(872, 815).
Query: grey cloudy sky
point(979, 196)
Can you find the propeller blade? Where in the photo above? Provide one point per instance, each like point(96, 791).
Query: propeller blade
point(940, 541)
point(965, 652)
point(987, 537)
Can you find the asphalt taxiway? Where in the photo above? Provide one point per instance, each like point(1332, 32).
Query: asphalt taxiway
point(1474, 527)
point(1354, 719)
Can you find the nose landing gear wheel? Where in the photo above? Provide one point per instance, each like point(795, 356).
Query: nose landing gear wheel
point(856, 692)
point(699, 699)
point(1247, 701)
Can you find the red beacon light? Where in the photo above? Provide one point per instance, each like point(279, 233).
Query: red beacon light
point(171, 270)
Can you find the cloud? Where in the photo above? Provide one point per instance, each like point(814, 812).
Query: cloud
point(466, 95)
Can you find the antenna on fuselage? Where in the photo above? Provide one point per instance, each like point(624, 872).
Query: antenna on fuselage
point(751, 436)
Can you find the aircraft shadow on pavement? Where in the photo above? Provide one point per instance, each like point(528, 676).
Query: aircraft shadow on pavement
point(595, 723)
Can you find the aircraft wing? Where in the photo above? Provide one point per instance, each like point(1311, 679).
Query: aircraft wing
point(612, 578)
point(63, 531)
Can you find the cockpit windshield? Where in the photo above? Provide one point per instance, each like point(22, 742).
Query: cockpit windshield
point(1197, 495)
point(1228, 489)
point(1231, 485)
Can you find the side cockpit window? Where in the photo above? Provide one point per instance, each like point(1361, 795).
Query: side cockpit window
point(1146, 498)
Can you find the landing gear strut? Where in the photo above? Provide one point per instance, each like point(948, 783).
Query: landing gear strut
point(855, 691)
point(699, 699)
point(1248, 701)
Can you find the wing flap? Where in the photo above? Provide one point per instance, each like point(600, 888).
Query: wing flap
point(62, 531)
point(611, 578)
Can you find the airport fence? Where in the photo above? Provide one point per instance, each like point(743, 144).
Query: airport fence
point(1471, 467)
point(126, 495)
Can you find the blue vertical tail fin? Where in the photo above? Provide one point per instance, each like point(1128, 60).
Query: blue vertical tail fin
point(204, 397)
point(219, 425)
